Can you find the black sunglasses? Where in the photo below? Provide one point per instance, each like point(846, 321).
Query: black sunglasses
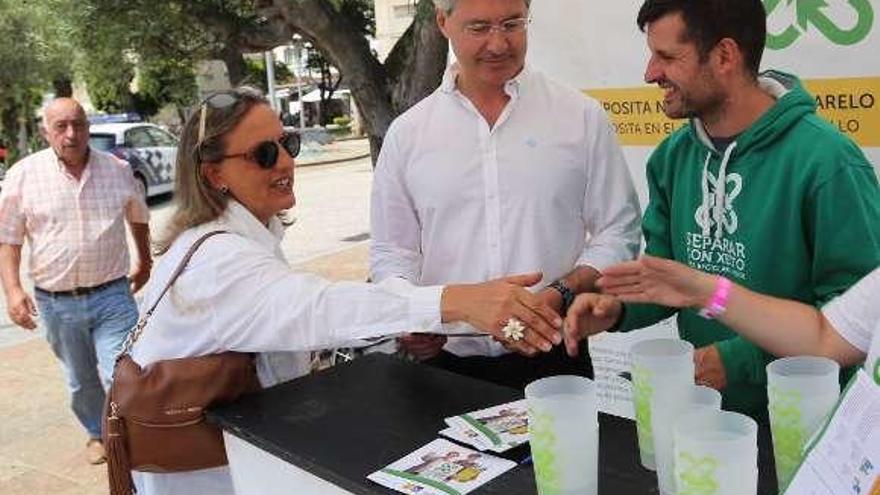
point(265, 154)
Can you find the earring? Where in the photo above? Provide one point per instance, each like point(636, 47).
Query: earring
point(224, 190)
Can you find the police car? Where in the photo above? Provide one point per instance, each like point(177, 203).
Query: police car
point(149, 149)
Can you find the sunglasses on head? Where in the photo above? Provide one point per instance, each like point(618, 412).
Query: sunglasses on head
point(221, 99)
point(265, 154)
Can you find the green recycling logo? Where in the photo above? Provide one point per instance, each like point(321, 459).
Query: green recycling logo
point(810, 15)
point(877, 371)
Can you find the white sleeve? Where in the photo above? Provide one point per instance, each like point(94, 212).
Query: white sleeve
point(394, 225)
point(855, 313)
point(611, 207)
point(263, 305)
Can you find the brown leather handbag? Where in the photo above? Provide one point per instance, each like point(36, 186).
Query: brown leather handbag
point(154, 417)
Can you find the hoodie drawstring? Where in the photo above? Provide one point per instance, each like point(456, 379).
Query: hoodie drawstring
point(717, 209)
point(705, 213)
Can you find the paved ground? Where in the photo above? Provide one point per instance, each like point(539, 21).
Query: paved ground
point(313, 153)
point(42, 446)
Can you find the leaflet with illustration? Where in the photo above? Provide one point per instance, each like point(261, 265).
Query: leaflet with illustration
point(441, 468)
point(845, 458)
point(498, 428)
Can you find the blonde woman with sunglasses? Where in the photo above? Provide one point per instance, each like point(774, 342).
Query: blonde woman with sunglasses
point(235, 174)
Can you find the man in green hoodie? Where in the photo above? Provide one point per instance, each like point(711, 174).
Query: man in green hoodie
point(756, 188)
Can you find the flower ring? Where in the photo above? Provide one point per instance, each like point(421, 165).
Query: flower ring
point(514, 331)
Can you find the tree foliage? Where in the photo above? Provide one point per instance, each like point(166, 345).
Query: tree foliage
point(225, 29)
point(328, 82)
point(156, 43)
point(256, 74)
point(155, 49)
point(382, 90)
point(33, 56)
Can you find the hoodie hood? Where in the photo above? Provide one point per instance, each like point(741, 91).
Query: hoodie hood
point(792, 104)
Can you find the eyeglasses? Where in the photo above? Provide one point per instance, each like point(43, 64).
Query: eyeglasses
point(484, 29)
point(265, 154)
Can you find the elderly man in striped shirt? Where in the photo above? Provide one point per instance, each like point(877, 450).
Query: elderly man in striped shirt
point(70, 203)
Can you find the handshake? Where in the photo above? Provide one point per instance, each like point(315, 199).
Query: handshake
point(530, 323)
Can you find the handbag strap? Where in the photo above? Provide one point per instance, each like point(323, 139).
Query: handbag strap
point(136, 332)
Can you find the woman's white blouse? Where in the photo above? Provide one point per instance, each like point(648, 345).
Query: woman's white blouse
point(238, 294)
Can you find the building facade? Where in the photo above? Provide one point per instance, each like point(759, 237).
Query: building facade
point(393, 17)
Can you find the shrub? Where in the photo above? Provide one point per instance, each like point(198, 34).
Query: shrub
point(343, 121)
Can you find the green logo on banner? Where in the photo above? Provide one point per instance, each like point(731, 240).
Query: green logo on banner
point(877, 371)
point(810, 15)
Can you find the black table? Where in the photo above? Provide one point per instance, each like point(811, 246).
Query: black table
point(346, 422)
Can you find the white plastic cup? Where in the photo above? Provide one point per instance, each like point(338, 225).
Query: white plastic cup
point(659, 366)
point(801, 392)
point(665, 412)
point(716, 452)
point(564, 435)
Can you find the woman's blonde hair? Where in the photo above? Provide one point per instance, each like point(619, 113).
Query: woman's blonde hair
point(202, 140)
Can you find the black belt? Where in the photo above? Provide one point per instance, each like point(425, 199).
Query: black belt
point(79, 291)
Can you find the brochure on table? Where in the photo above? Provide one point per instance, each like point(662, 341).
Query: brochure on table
point(498, 428)
point(441, 468)
point(845, 457)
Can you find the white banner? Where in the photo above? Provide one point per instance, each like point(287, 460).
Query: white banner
point(596, 47)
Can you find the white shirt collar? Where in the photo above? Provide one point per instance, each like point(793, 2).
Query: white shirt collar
point(511, 87)
point(240, 220)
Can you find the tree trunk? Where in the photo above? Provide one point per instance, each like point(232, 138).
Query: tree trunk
point(416, 64)
point(63, 87)
point(380, 94)
point(9, 124)
point(22, 137)
point(235, 64)
point(181, 114)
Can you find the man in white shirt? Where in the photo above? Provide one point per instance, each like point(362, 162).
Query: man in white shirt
point(500, 171)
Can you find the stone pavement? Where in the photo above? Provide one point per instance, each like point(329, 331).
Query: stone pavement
point(342, 150)
point(42, 447)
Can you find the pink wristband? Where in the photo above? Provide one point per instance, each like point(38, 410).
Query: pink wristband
point(718, 303)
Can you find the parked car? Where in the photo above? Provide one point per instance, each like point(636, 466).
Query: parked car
point(149, 149)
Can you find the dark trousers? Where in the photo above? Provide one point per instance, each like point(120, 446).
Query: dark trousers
point(766, 462)
point(514, 370)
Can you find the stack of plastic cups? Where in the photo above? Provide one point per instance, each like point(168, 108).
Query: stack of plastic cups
point(564, 435)
point(801, 392)
point(716, 452)
point(659, 367)
point(665, 412)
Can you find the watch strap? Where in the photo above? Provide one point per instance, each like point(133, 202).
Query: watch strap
point(565, 292)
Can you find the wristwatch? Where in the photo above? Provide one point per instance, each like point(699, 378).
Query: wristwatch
point(565, 292)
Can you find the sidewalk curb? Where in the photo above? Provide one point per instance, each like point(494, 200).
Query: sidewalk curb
point(335, 160)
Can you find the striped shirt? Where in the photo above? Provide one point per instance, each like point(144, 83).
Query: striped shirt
point(75, 228)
